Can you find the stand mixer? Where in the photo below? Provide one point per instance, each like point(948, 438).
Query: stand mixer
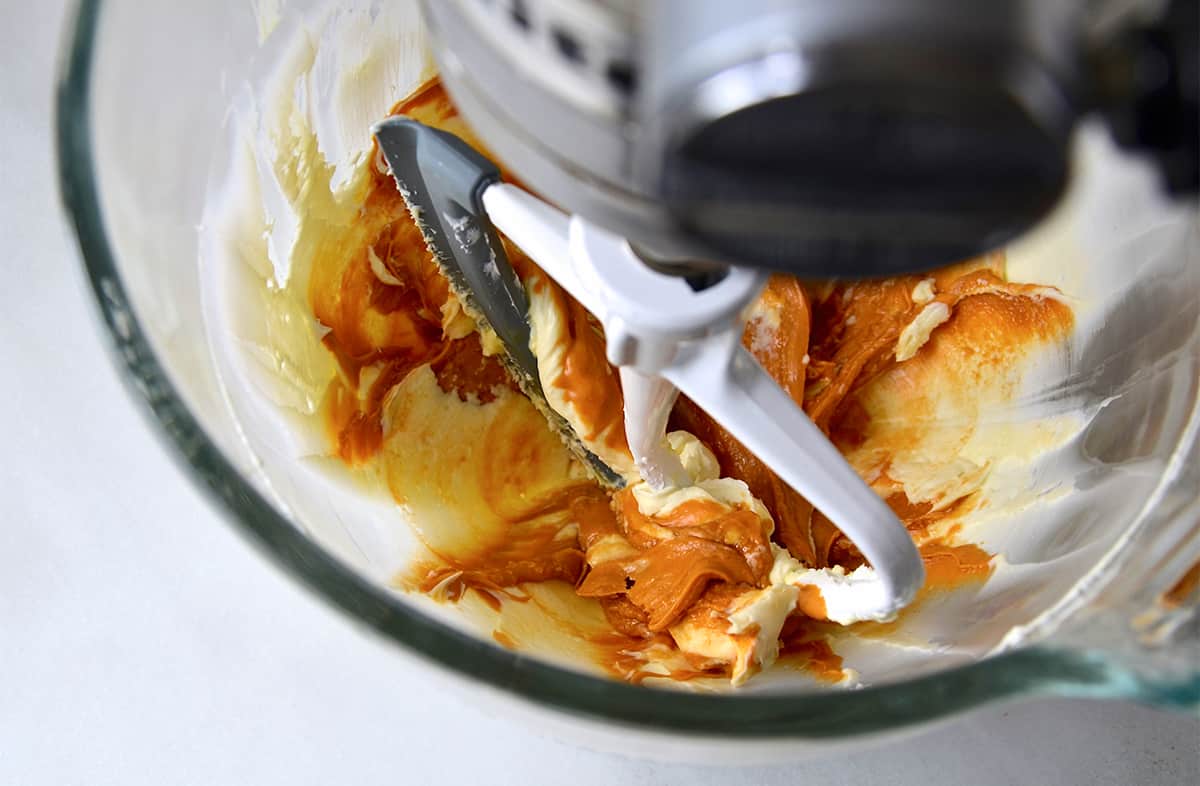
point(698, 146)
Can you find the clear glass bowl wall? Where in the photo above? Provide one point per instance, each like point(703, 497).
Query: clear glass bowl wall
point(143, 112)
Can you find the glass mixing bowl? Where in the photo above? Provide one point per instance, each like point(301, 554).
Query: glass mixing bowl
point(144, 111)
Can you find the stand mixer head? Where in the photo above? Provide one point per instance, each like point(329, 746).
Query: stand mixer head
point(844, 139)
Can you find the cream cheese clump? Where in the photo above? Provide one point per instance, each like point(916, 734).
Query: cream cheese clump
point(706, 483)
point(917, 332)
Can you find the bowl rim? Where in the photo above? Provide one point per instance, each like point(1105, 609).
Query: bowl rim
point(799, 716)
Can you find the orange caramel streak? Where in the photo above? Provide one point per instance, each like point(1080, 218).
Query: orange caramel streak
point(1182, 589)
point(392, 327)
point(587, 381)
point(524, 554)
point(947, 566)
point(709, 544)
point(804, 643)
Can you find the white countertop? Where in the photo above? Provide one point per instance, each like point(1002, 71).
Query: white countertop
point(120, 663)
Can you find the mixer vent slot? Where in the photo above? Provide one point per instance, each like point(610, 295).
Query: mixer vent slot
point(552, 30)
